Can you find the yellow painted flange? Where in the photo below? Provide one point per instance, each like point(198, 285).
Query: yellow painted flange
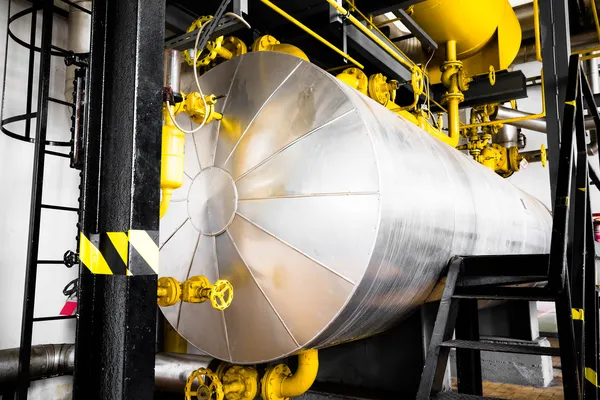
point(264, 42)
point(169, 291)
point(355, 78)
point(210, 391)
point(379, 89)
point(273, 377)
point(492, 75)
point(222, 369)
point(241, 383)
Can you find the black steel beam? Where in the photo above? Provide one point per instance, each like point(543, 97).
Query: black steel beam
point(416, 30)
point(556, 48)
point(115, 341)
point(509, 85)
point(368, 49)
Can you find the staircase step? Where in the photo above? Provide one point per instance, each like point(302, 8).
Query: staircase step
point(502, 347)
point(460, 396)
point(504, 293)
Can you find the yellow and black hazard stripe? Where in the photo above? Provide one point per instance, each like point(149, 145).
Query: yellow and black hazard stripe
point(120, 253)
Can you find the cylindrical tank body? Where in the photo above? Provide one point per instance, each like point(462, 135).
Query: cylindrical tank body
point(331, 216)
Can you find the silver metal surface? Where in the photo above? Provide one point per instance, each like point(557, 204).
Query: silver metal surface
point(346, 214)
point(46, 360)
point(171, 370)
point(172, 69)
point(538, 125)
point(507, 136)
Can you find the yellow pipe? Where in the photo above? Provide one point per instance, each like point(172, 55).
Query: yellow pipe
point(586, 51)
point(595, 12)
point(302, 380)
point(370, 34)
point(454, 95)
point(311, 32)
point(536, 28)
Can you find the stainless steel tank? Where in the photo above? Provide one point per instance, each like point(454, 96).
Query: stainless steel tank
point(331, 216)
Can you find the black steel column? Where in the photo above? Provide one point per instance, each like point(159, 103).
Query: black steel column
point(36, 199)
point(468, 362)
point(556, 49)
point(117, 313)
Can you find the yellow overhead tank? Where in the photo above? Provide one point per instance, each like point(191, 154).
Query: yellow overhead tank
point(487, 33)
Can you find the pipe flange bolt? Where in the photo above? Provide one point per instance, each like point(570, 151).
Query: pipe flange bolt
point(270, 384)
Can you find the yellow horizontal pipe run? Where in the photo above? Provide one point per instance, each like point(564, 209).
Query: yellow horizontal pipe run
point(504, 121)
point(311, 32)
point(586, 51)
point(302, 380)
point(367, 32)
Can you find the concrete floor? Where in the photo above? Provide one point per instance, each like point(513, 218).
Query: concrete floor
point(515, 392)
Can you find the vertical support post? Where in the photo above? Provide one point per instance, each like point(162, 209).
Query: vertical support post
point(556, 48)
point(116, 329)
point(579, 214)
point(36, 200)
point(468, 362)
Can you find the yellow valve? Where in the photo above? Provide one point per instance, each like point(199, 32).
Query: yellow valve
point(169, 291)
point(204, 57)
point(235, 46)
point(240, 383)
point(194, 107)
point(198, 289)
point(209, 387)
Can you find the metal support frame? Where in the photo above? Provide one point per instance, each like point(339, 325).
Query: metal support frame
point(115, 339)
point(556, 47)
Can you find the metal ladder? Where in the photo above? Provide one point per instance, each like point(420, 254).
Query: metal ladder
point(566, 276)
point(46, 50)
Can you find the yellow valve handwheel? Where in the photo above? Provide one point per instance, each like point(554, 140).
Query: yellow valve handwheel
point(221, 294)
point(201, 390)
point(492, 75)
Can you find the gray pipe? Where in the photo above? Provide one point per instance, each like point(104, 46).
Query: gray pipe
point(46, 360)
point(172, 369)
point(539, 125)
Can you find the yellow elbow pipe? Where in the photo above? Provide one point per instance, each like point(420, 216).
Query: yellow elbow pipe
point(302, 380)
point(279, 383)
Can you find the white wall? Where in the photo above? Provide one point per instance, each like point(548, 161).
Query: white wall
point(535, 179)
point(58, 230)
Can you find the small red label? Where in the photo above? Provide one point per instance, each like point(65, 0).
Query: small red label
point(69, 308)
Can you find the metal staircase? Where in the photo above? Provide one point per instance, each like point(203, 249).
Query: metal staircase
point(566, 276)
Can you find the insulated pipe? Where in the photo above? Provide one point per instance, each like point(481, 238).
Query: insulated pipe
point(172, 370)
point(539, 125)
point(46, 360)
point(80, 26)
